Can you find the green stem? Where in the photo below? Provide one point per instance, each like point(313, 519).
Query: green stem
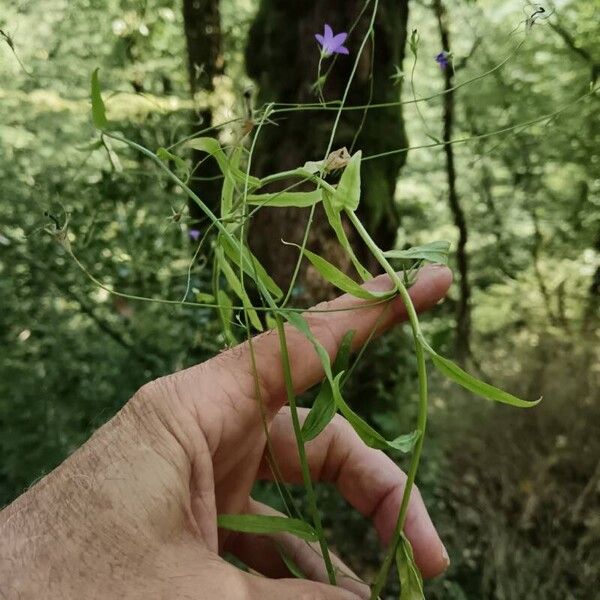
point(422, 412)
point(310, 491)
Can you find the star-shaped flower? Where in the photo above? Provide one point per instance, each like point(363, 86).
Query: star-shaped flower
point(332, 44)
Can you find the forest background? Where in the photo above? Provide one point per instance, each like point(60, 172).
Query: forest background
point(516, 494)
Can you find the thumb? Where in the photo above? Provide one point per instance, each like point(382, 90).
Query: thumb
point(296, 589)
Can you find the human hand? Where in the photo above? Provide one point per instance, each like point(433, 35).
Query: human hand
point(133, 513)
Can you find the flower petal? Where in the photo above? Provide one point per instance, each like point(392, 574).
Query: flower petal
point(342, 50)
point(328, 32)
point(320, 39)
point(338, 40)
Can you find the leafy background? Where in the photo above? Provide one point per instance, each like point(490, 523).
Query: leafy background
point(516, 494)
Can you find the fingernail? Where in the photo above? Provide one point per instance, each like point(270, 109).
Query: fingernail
point(445, 557)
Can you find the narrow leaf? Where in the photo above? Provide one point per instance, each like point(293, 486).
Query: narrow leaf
point(249, 264)
point(238, 289)
point(283, 199)
point(289, 562)
point(411, 582)
point(405, 442)
point(211, 146)
point(335, 220)
point(367, 434)
point(324, 407)
point(225, 310)
point(181, 166)
point(267, 524)
point(347, 193)
point(435, 252)
point(338, 278)
point(98, 109)
point(478, 387)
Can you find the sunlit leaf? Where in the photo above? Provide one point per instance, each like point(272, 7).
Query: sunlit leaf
point(478, 387)
point(324, 407)
point(347, 192)
point(98, 109)
point(411, 582)
point(435, 252)
point(335, 220)
point(338, 278)
point(211, 146)
point(284, 199)
point(267, 524)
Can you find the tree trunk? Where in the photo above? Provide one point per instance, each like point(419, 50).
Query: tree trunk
point(202, 25)
point(463, 308)
point(282, 57)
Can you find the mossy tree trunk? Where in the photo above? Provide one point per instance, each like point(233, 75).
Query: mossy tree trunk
point(282, 57)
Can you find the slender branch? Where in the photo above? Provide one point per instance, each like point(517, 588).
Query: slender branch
point(463, 313)
point(422, 410)
point(308, 484)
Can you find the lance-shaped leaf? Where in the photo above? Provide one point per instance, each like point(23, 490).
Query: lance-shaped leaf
point(347, 192)
point(435, 252)
point(238, 288)
point(181, 166)
point(335, 220)
point(338, 278)
point(225, 310)
point(211, 146)
point(98, 109)
point(239, 254)
point(478, 387)
point(324, 407)
point(411, 582)
point(370, 436)
point(289, 562)
point(267, 524)
point(284, 199)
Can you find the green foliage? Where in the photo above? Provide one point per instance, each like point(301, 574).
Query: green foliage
point(435, 252)
point(411, 582)
point(72, 352)
point(267, 524)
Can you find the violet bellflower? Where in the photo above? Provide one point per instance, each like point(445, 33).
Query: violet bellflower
point(443, 59)
point(194, 234)
point(332, 44)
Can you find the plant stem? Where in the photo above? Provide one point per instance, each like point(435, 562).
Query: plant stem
point(422, 412)
point(310, 492)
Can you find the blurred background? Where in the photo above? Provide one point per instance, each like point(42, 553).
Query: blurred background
point(516, 494)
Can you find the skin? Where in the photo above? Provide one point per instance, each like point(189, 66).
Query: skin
point(132, 513)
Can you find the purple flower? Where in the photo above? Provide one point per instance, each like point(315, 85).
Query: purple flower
point(194, 234)
point(332, 44)
point(443, 59)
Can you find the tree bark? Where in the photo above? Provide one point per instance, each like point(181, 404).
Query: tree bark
point(463, 307)
point(282, 57)
point(202, 25)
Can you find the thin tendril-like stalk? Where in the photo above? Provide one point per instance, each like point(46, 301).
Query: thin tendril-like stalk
point(330, 145)
point(422, 411)
point(310, 491)
point(284, 353)
point(334, 104)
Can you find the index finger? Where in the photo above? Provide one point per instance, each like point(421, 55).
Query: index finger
point(351, 313)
